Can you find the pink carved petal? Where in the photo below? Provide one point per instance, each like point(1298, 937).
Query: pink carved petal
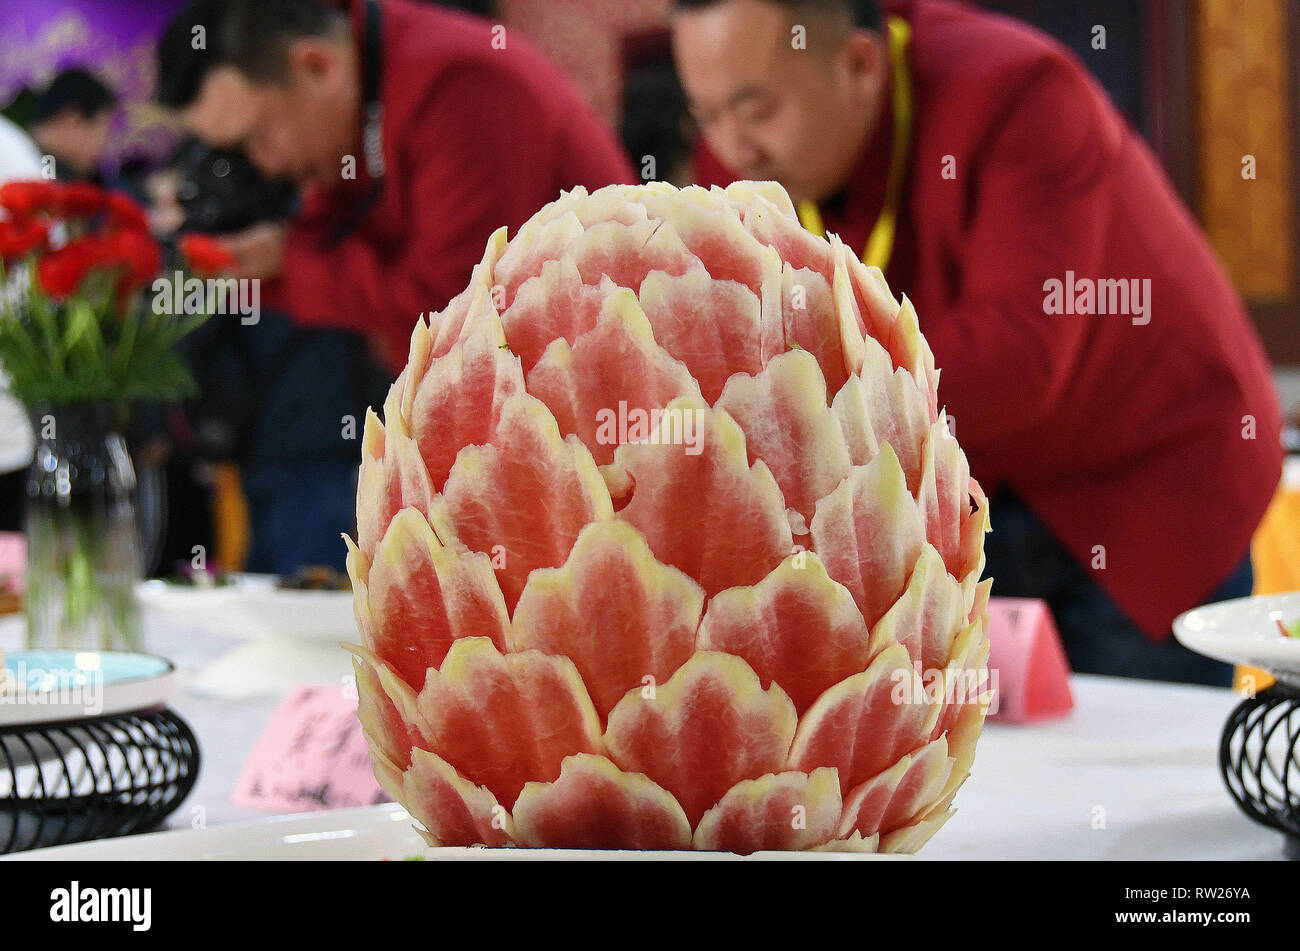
point(865, 724)
point(460, 399)
point(358, 566)
point(627, 253)
point(879, 406)
point(446, 328)
point(595, 805)
point(782, 412)
point(965, 676)
point(918, 358)
point(879, 309)
point(809, 322)
point(536, 243)
point(453, 810)
point(928, 616)
point(421, 596)
point(909, 839)
point(709, 727)
point(781, 230)
point(392, 477)
point(869, 534)
point(524, 499)
point(503, 720)
point(702, 507)
point(854, 843)
point(944, 497)
point(715, 327)
point(553, 305)
point(614, 610)
point(712, 231)
point(901, 794)
point(796, 628)
point(614, 203)
point(962, 738)
point(613, 370)
point(389, 717)
point(777, 812)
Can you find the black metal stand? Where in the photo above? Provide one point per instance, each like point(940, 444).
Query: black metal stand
point(95, 778)
point(1259, 757)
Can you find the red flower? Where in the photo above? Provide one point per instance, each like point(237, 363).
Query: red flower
point(21, 237)
point(60, 273)
point(124, 213)
point(206, 255)
point(137, 254)
point(80, 200)
point(24, 199)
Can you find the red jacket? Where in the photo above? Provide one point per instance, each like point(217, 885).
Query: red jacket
point(1122, 435)
point(473, 138)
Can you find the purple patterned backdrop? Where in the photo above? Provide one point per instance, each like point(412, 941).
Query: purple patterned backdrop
point(114, 38)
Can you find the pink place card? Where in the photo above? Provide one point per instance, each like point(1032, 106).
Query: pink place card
point(13, 561)
point(1027, 663)
point(311, 756)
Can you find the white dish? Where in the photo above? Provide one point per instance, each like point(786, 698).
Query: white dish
point(56, 686)
point(370, 833)
point(252, 604)
point(1244, 631)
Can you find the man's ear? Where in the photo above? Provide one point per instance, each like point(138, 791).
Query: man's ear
point(865, 60)
point(312, 57)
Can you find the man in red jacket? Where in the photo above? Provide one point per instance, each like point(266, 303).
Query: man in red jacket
point(1105, 381)
point(415, 132)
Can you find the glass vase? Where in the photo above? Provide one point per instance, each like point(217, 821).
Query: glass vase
point(83, 547)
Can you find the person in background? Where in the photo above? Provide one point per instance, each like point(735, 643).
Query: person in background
point(266, 434)
point(414, 131)
point(1128, 456)
point(19, 161)
point(70, 119)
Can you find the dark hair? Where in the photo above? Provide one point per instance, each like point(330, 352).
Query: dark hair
point(74, 89)
point(864, 13)
point(250, 35)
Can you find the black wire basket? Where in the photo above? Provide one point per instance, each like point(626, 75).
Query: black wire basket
point(1259, 756)
point(76, 780)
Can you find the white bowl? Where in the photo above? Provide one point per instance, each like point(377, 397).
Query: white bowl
point(1244, 631)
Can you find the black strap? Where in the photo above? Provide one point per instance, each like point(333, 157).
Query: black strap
point(372, 126)
point(370, 54)
point(374, 109)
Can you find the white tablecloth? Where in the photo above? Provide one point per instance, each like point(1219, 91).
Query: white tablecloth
point(1131, 773)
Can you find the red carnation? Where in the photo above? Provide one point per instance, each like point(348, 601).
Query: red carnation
point(60, 273)
point(24, 199)
point(21, 237)
point(124, 213)
point(80, 200)
point(138, 255)
point(206, 255)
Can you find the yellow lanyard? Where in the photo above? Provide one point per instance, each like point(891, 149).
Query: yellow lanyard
point(880, 246)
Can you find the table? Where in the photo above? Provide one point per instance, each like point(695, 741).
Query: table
point(1132, 772)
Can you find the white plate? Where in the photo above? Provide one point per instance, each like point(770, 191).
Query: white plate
point(55, 686)
point(252, 604)
point(370, 833)
point(1244, 631)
